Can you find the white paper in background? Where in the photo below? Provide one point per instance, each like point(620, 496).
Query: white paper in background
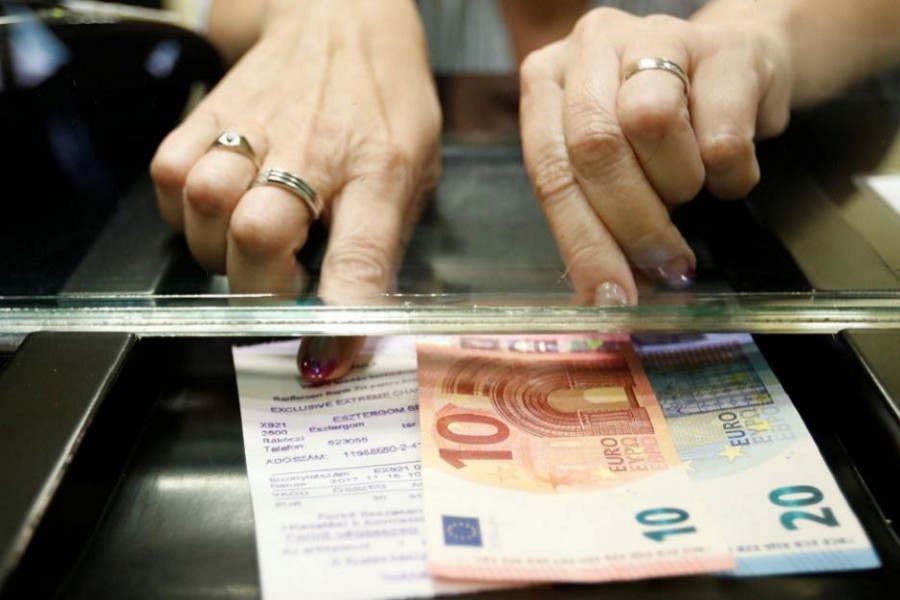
point(335, 475)
point(887, 187)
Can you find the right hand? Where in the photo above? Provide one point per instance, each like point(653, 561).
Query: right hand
point(609, 158)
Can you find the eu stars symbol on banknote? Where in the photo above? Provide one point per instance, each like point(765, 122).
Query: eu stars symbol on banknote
point(461, 531)
point(548, 458)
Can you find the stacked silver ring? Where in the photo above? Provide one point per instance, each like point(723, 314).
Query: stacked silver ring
point(295, 185)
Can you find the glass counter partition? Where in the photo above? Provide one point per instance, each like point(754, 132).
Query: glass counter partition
point(122, 457)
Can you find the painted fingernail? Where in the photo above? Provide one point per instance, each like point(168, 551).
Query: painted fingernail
point(610, 294)
point(319, 358)
point(677, 273)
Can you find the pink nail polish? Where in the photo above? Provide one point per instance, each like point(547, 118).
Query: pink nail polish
point(610, 294)
point(677, 273)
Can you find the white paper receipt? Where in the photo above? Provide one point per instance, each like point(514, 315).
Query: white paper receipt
point(335, 475)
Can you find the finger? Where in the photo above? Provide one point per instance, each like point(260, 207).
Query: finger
point(775, 109)
point(652, 107)
point(363, 249)
point(367, 228)
point(270, 224)
point(595, 263)
point(322, 358)
point(212, 190)
point(725, 98)
point(609, 172)
point(384, 164)
point(373, 214)
point(174, 159)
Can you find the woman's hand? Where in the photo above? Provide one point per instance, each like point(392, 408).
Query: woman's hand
point(340, 95)
point(609, 156)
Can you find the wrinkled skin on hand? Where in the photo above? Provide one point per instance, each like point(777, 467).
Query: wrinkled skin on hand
point(610, 157)
point(340, 94)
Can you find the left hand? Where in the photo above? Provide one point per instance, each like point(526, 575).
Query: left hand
point(609, 157)
point(341, 95)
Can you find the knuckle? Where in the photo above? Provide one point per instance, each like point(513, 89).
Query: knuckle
point(596, 145)
point(359, 262)
point(169, 173)
point(584, 256)
point(391, 160)
point(552, 178)
point(597, 19)
point(534, 69)
point(661, 23)
point(725, 150)
point(254, 234)
point(208, 194)
point(390, 163)
point(651, 115)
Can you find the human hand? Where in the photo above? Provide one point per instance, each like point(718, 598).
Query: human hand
point(609, 156)
point(340, 95)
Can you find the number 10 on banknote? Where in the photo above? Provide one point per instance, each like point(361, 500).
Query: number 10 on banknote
point(548, 458)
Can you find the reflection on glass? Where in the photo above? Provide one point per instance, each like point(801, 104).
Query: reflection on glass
point(163, 58)
point(36, 54)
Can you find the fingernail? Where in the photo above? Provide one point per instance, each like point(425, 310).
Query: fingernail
point(610, 294)
point(677, 273)
point(319, 358)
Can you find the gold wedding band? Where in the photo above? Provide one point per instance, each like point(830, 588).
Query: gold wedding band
point(295, 185)
point(235, 142)
point(658, 64)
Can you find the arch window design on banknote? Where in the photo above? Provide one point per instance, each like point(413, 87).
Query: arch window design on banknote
point(559, 417)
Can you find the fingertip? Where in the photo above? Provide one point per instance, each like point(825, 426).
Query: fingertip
point(323, 359)
point(678, 273)
point(604, 281)
point(611, 294)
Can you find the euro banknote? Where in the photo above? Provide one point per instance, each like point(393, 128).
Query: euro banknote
point(548, 458)
point(748, 452)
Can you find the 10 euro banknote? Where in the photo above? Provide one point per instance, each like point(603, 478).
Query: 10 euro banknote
point(548, 458)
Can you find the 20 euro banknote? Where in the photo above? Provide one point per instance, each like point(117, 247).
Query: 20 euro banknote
point(749, 453)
